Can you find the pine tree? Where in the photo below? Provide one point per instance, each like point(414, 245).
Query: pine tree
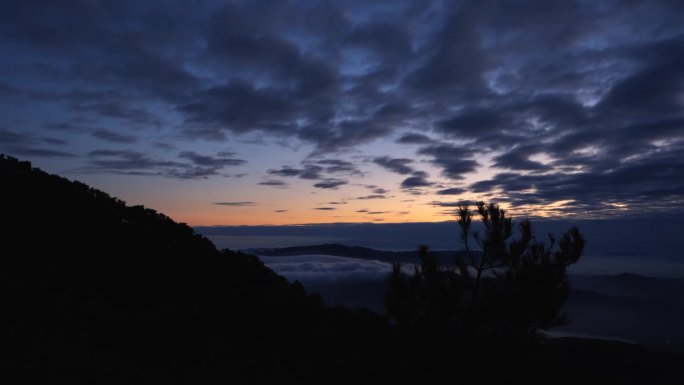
point(504, 289)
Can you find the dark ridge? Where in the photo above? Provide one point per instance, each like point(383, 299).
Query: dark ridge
point(95, 291)
point(663, 290)
point(338, 250)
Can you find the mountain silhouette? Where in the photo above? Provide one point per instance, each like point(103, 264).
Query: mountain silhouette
point(93, 291)
point(338, 250)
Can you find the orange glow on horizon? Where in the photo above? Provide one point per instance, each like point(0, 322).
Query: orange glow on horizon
point(419, 212)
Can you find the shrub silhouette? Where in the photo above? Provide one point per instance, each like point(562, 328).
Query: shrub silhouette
point(507, 290)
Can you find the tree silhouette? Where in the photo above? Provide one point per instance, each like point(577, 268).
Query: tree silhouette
point(505, 289)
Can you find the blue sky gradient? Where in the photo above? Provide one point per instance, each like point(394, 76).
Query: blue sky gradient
point(290, 112)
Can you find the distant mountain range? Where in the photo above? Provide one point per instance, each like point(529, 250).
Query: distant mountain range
point(445, 257)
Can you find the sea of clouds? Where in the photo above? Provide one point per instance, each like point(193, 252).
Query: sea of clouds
point(326, 268)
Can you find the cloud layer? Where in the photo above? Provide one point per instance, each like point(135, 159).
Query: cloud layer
point(571, 106)
point(326, 268)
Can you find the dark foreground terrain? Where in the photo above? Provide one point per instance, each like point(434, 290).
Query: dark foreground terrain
point(628, 307)
point(97, 292)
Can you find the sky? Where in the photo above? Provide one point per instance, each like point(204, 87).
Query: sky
point(291, 112)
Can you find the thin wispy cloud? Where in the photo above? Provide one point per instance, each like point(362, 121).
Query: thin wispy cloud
point(235, 204)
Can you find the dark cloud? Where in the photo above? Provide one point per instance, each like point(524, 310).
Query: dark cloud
point(397, 165)
point(338, 166)
point(27, 145)
point(9, 137)
point(273, 182)
point(297, 86)
point(279, 211)
point(189, 166)
point(661, 81)
point(54, 141)
point(453, 160)
point(473, 123)
point(413, 138)
point(63, 126)
point(119, 110)
point(122, 160)
point(164, 146)
point(321, 171)
point(237, 40)
point(374, 196)
point(285, 171)
point(325, 208)
point(235, 204)
point(222, 159)
point(332, 184)
point(653, 183)
point(104, 46)
point(419, 179)
point(311, 172)
point(451, 191)
point(114, 137)
point(450, 204)
point(240, 107)
point(519, 159)
point(389, 41)
point(37, 152)
point(380, 191)
point(308, 172)
point(344, 134)
point(455, 62)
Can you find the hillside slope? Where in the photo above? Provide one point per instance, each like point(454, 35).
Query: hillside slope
point(94, 291)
